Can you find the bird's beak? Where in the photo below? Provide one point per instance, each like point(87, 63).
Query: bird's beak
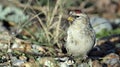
point(70, 19)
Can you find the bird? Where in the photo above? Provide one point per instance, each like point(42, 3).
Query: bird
point(80, 34)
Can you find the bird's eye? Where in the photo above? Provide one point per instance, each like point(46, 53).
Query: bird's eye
point(76, 16)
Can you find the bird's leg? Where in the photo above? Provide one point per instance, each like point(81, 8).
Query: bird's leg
point(70, 60)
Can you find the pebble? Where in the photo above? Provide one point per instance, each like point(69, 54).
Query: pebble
point(99, 24)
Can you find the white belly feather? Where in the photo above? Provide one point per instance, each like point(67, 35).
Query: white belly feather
point(79, 41)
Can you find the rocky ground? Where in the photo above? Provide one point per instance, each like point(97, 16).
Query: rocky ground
point(33, 33)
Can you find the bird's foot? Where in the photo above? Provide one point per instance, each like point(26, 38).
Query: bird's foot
point(70, 60)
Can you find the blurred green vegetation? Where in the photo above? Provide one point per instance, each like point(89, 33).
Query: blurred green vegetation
point(105, 33)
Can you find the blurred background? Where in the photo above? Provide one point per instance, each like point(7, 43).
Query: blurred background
point(43, 23)
point(104, 14)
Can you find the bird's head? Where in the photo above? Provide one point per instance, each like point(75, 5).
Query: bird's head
point(77, 15)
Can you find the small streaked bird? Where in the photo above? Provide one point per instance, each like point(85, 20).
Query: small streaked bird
point(80, 34)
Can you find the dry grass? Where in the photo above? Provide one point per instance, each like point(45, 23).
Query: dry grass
point(52, 21)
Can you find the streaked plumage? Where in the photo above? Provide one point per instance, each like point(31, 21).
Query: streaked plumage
point(80, 35)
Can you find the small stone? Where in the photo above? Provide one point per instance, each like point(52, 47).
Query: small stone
point(100, 24)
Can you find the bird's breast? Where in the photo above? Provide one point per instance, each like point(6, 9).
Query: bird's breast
point(79, 41)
